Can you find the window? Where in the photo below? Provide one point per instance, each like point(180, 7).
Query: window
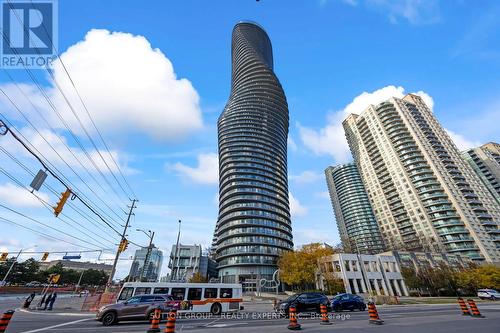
point(126, 293)
point(147, 299)
point(142, 291)
point(226, 292)
point(210, 292)
point(160, 291)
point(134, 300)
point(178, 293)
point(194, 294)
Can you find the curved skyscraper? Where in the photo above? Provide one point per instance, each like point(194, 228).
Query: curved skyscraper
point(254, 226)
point(358, 228)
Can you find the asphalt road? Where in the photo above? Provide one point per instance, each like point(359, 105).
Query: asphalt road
point(414, 318)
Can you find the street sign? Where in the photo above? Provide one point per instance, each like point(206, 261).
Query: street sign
point(38, 180)
point(72, 257)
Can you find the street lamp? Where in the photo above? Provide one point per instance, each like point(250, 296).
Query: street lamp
point(151, 235)
point(4, 281)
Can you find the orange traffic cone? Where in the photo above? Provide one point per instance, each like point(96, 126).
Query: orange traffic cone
point(155, 322)
point(4, 321)
point(373, 313)
point(293, 325)
point(324, 315)
point(170, 328)
point(474, 309)
point(463, 307)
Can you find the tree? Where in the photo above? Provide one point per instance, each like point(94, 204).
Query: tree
point(198, 278)
point(334, 285)
point(298, 268)
point(474, 278)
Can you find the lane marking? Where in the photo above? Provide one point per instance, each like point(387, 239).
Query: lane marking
point(56, 326)
point(69, 314)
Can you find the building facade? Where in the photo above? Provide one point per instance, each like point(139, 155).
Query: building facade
point(485, 161)
point(419, 260)
point(189, 260)
point(253, 226)
point(366, 274)
point(357, 226)
point(149, 271)
point(423, 193)
point(76, 265)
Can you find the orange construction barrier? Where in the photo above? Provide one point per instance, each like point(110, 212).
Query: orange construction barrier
point(155, 322)
point(463, 307)
point(172, 316)
point(324, 315)
point(474, 309)
point(373, 313)
point(4, 321)
point(293, 325)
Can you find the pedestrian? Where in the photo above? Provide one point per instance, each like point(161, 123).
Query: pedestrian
point(28, 301)
point(41, 302)
point(52, 300)
point(47, 300)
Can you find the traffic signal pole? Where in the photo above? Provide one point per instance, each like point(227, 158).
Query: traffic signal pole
point(118, 251)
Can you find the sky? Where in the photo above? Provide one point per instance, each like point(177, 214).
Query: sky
point(155, 75)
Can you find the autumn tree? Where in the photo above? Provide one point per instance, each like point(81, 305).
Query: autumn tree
point(483, 276)
point(298, 268)
point(198, 278)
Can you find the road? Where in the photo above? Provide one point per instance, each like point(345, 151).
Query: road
point(412, 318)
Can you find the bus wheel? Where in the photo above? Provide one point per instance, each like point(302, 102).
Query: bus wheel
point(216, 309)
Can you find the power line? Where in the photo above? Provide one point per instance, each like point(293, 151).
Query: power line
point(86, 109)
point(57, 177)
point(70, 204)
point(2, 219)
point(55, 151)
point(74, 113)
point(51, 104)
point(54, 131)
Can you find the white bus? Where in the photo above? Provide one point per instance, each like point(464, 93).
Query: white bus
point(192, 297)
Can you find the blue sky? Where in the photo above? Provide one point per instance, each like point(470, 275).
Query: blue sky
point(332, 57)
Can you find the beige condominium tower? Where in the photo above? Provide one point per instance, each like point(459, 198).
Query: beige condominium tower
point(424, 195)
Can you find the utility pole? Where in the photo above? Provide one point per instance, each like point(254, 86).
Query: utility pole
point(112, 273)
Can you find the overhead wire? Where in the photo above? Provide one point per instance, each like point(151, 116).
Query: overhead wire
point(75, 113)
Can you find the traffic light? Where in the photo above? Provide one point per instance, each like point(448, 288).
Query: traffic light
point(3, 256)
point(64, 197)
point(53, 278)
point(123, 245)
point(45, 256)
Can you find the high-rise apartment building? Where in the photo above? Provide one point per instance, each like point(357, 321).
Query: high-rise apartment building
point(485, 161)
point(253, 226)
point(358, 229)
point(423, 193)
point(146, 271)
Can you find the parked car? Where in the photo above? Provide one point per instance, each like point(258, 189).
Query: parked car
point(33, 284)
point(349, 302)
point(488, 294)
point(304, 302)
point(135, 308)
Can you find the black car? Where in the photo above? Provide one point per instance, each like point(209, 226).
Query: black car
point(304, 302)
point(348, 302)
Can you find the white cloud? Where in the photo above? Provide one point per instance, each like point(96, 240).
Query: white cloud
point(291, 143)
point(414, 11)
point(128, 87)
point(461, 142)
point(330, 140)
point(305, 177)
point(206, 172)
point(322, 195)
point(296, 208)
point(20, 197)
